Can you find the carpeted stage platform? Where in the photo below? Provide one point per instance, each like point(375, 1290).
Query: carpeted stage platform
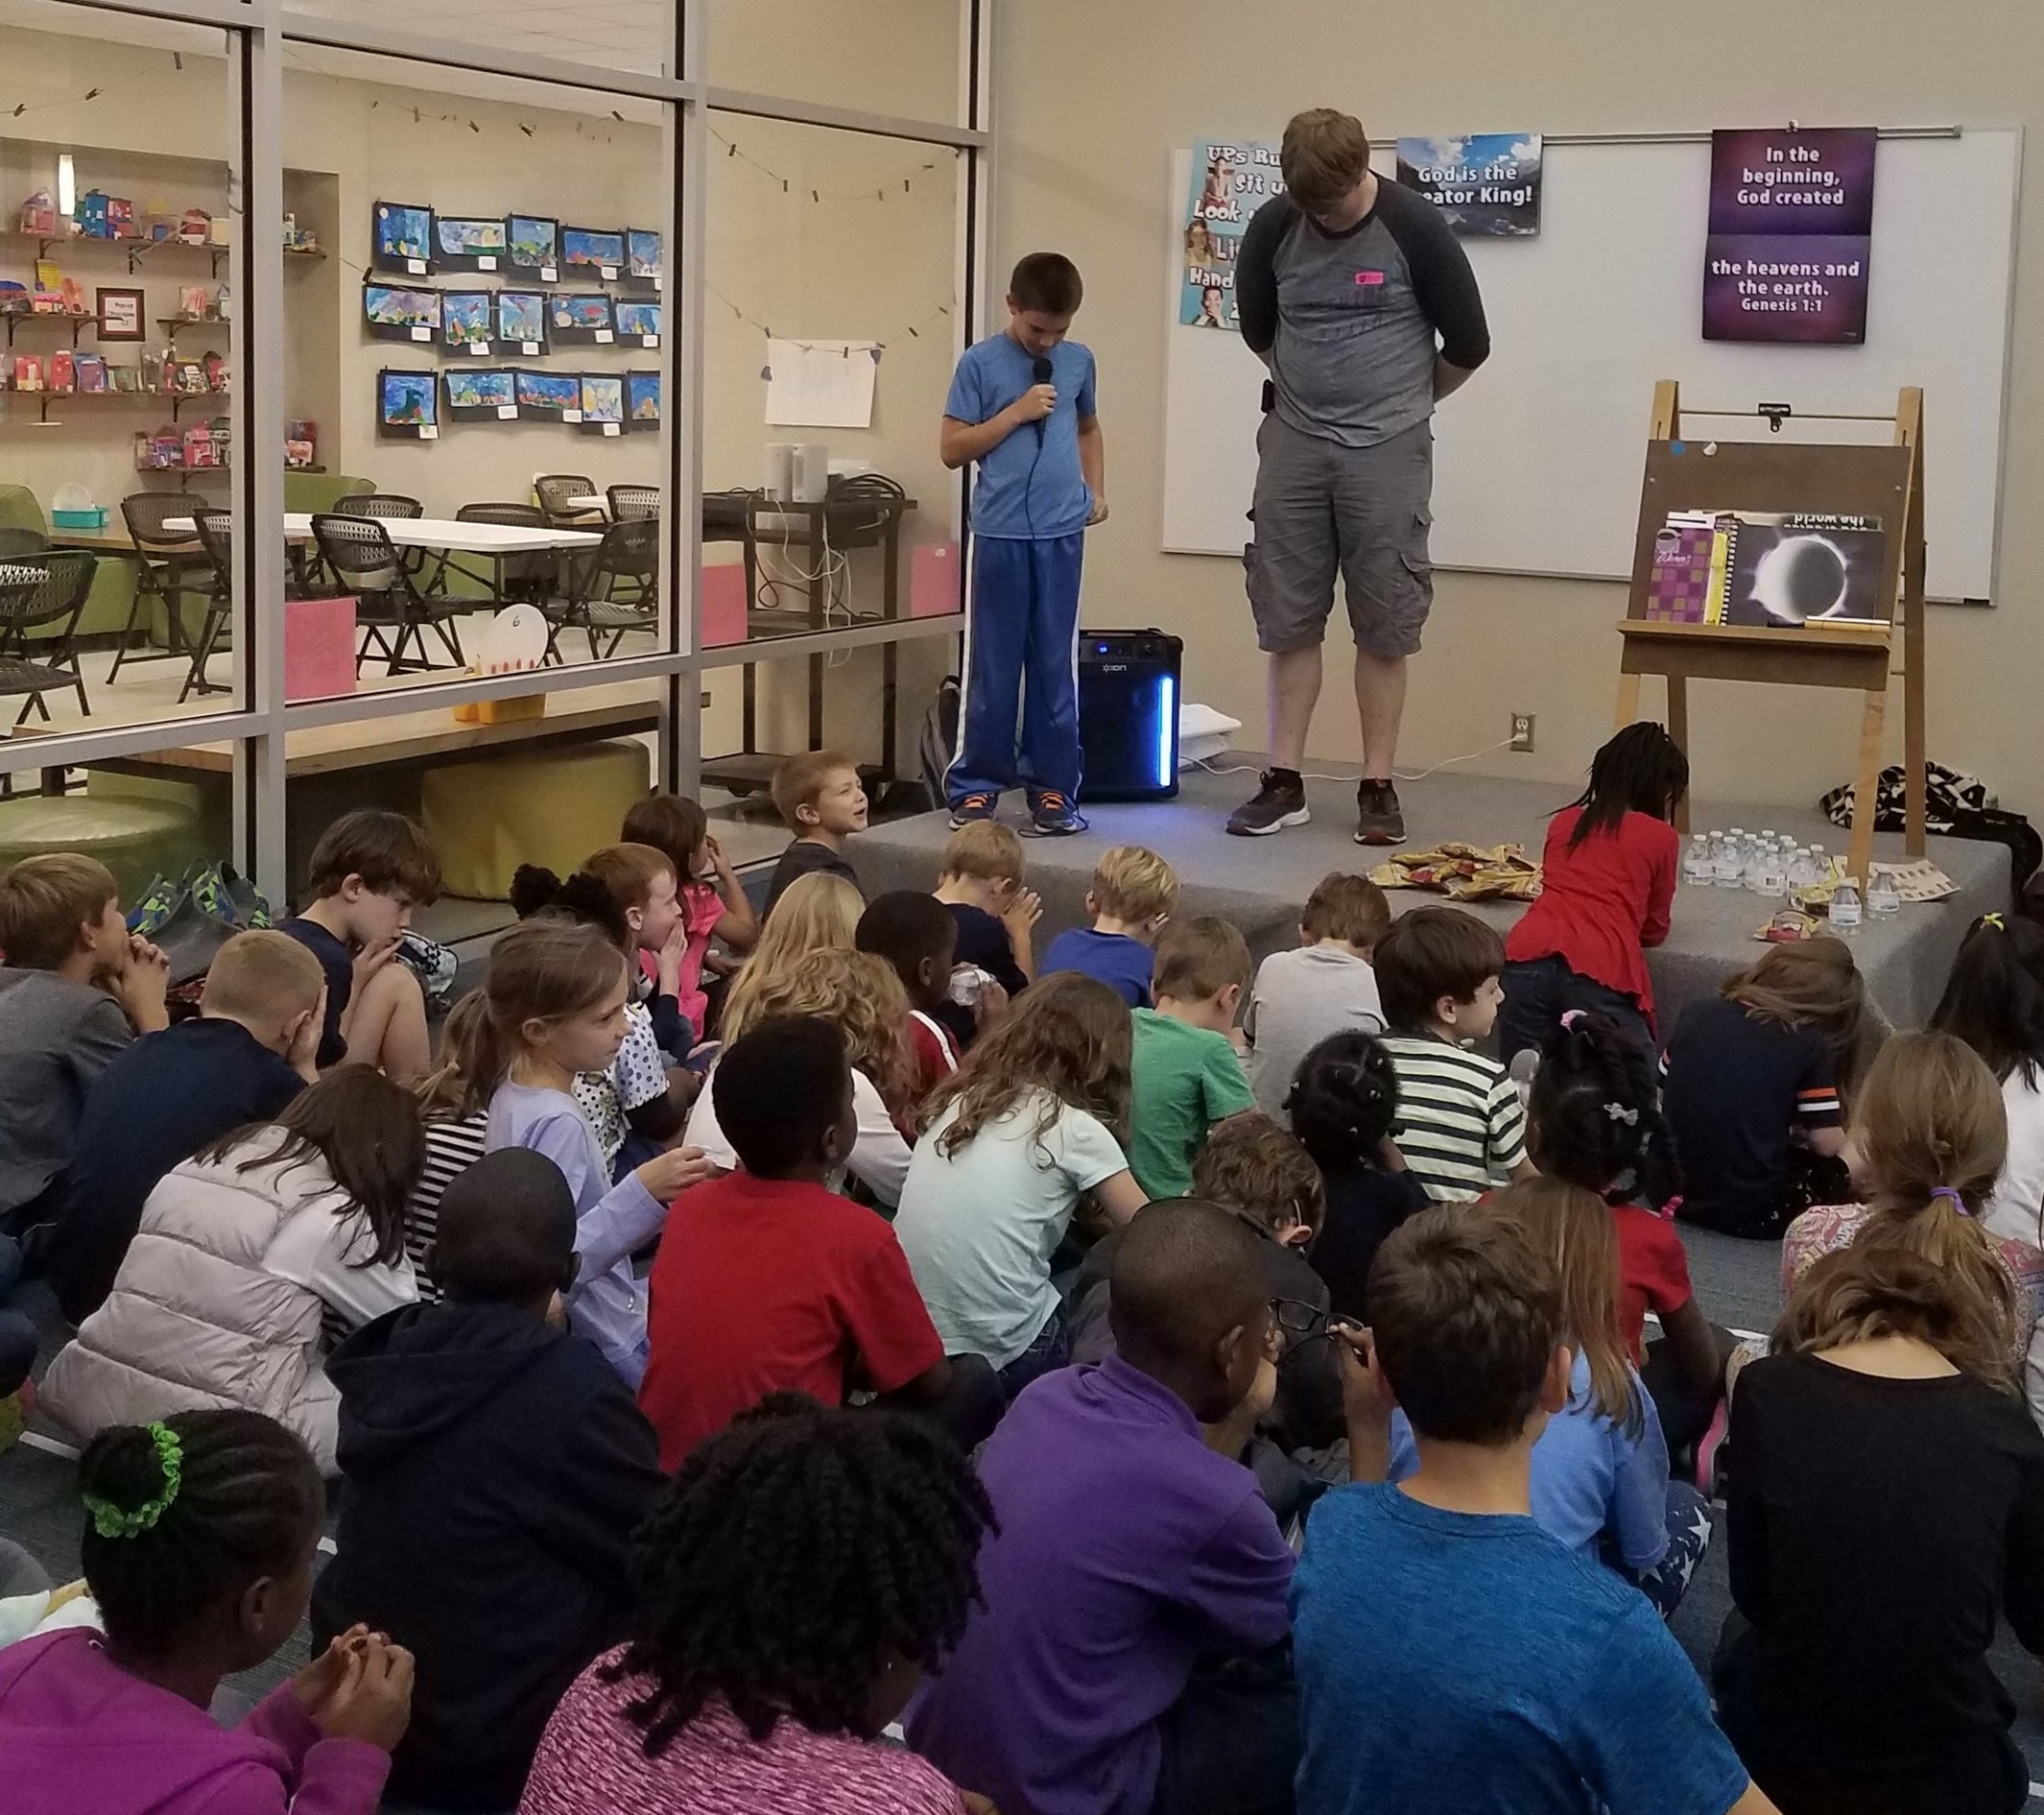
point(1259, 883)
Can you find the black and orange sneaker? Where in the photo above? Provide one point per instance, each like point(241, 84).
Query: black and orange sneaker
point(1379, 820)
point(1052, 816)
point(973, 808)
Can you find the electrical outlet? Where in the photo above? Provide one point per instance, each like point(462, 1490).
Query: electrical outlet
point(1522, 728)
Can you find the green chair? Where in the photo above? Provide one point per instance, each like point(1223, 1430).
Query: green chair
point(322, 491)
point(137, 840)
point(19, 510)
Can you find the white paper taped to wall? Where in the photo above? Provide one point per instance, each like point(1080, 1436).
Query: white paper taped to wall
point(820, 384)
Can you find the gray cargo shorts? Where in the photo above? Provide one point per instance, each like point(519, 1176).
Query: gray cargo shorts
point(1366, 511)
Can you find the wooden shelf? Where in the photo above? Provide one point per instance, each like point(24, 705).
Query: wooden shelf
point(77, 324)
point(171, 323)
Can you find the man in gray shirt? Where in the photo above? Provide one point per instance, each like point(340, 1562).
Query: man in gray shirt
point(1357, 297)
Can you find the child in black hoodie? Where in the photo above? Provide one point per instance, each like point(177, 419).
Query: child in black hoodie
point(494, 1469)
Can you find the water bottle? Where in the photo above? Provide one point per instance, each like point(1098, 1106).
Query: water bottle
point(1774, 870)
point(1699, 863)
point(1732, 861)
point(1846, 907)
point(1882, 898)
point(1802, 871)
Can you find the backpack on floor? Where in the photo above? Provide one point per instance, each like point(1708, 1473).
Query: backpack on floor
point(1956, 806)
point(938, 743)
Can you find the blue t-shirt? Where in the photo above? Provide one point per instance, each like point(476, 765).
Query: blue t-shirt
point(1029, 488)
point(1588, 1476)
point(1466, 1663)
point(1123, 964)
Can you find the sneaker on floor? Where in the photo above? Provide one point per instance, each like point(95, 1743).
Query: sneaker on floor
point(973, 808)
point(1052, 816)
point(1378, 819)
point(1280, 802)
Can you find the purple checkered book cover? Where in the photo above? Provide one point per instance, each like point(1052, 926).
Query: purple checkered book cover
point(1680, 588)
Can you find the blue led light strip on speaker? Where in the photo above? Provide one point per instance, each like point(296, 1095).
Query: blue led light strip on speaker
point(1167, 727)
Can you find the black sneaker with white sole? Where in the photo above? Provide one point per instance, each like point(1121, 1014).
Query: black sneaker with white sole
point(1378, 818)
point(1280, 802)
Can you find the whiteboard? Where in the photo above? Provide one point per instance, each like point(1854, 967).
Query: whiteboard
point(1538, 459)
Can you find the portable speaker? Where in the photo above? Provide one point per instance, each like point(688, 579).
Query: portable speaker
point(1128, 714)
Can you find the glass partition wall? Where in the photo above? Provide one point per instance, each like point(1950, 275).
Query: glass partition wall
point(358, 352)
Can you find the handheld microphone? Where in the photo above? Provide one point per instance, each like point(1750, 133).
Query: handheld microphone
point(1041, 374)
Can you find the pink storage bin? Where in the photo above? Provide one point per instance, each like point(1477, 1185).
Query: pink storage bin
point(933, 588)
point(724, 605)
point(319, 648)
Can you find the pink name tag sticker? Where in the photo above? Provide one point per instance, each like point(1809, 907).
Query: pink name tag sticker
point(1370, 278)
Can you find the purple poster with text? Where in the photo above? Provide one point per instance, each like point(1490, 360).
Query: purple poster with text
point(1791, 234)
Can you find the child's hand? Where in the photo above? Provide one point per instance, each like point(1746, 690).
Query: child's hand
point(1035, 403)
point(1021, 914)
point(669, 958)
point(314, 1685)
point(1099, 512)
point(714, 851)
point(373, 1702)
point(1366, 1398)
point(991, 1007)
point(141, 983)
point(669, 1174)
point(372, 959)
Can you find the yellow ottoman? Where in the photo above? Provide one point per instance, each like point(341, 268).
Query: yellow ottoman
point(137, 840)
point(553, 808)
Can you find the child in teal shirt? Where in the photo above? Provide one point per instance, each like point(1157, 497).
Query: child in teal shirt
point(1187, 1074)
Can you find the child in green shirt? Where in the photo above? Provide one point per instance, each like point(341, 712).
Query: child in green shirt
point(1187, 1074)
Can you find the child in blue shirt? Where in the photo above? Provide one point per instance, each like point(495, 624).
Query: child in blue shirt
point(1133, 895)
point(1452, 1656)
point(1022, 406)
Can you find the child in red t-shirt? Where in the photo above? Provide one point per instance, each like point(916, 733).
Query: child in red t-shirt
point(1607, 881)
point(767, 1281)
point(1595, 1120)
point(917, 934)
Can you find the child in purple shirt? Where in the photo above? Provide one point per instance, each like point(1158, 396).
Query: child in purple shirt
point(1131, 1547)
point(198, 1551)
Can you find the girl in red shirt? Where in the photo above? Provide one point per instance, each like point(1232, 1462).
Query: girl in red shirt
point(1606, 885)
point(1595, 1120)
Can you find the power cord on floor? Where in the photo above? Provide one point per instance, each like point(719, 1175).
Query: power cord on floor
point(1214, 768)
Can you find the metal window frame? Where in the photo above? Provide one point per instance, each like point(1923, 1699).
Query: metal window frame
point(258, 727)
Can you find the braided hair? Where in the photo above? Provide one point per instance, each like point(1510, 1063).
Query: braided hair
point(1641, 770)
point(1596, 1113)
point(1343, 1101)
point(245, 1500)
point(793, 1558)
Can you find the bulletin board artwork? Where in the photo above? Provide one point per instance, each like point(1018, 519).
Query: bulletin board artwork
point(584, 249)
point(642, 257)
point(401, 312)
point(548, 396)
point(482, 394)
point(468, 320)
point(534, 245)
point(603, 403)
point(1232, 179)
point(580, 319)
point(642, 400)
point(463, 242)
point(521, 323)
point(401, 238)
point(407, 405)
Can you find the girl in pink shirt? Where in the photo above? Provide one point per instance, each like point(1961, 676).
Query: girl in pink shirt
point(801, 1570)
point(198, 1551)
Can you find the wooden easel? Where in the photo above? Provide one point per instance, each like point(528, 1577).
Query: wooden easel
point(1885, 482)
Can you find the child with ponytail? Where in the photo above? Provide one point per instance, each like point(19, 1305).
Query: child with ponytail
point(630, 891)
point(1596, 1121)
point(555, 994)
point(198, 1550)
point(1608, 880)
point(1929, 1139)
point(1995, 1003)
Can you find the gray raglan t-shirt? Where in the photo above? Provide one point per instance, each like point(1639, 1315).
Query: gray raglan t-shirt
point(1350, 322)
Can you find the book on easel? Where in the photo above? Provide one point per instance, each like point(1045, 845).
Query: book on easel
point(1768, 569)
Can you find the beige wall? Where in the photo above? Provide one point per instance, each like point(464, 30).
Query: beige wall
point(1084, 144)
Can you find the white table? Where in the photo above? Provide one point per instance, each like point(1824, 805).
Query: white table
point(436, 532)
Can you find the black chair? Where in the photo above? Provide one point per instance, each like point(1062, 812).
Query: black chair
point(629, 504)
point(529, 579)
point(20, 541)
point(554, 490)
point(359, 551)
point(160, 576)
point(613, 588)
point(393, 507)
point(55, 597)
point(216, 536)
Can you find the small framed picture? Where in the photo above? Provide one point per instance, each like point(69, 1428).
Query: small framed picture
point(400, 312)
point(487, 395)
point(603, 403)
point(586, 248)
point(465, 320)
point(580, 319)
point(535, 246)
point(548, 396)
point(463, 242)
point(119, 314)
point(521, 323)
point(642, 258)
point(407, 404)
point(642, 400)
point(640, 321)
point(401, 238)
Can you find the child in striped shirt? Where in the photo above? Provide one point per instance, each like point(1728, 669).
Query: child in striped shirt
point(1462, 1126)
